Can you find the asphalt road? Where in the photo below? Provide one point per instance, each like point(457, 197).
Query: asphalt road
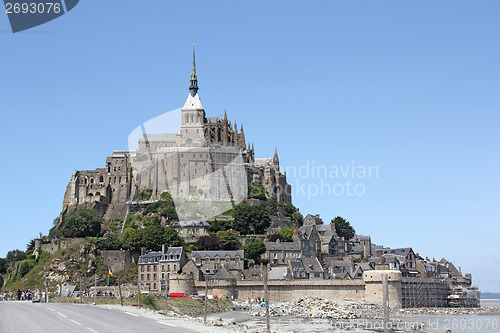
point(63, 318)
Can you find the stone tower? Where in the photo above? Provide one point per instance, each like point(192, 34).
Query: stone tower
point(192, 131)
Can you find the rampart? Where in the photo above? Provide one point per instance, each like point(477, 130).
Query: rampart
point(59, 244)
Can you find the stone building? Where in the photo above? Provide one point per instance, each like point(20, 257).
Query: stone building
point(205, 263)
point(155, 267)
point(307, 237)
point(190, 231)
point(281, 252)
point(207, 161)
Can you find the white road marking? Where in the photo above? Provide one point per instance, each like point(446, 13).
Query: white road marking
point(51, 309)
point(62, 314)
point(132, 314)
point(161, 322)
point(75, 322)
point(91, 330)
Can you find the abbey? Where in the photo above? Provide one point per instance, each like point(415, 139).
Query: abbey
point(207, 160)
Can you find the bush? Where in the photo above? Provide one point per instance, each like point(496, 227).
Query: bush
point(82, 222)
point(209, 243)
point(145, 194)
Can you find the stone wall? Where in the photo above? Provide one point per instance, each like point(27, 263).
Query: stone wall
point(60, 244)
point(289, 291)
point(117, 260)
point(373, 287)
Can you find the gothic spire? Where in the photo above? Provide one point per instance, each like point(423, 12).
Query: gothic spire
point(193, 87)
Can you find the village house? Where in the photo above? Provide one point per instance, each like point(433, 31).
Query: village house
point(206, 263)
point(190, 231)
point(281, 252)
point(153, 267)
point(308, 239)
point(312, 220)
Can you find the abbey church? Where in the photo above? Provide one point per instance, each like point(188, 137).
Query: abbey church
point(207, 161)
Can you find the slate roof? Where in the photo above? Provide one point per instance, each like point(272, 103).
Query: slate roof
point(400, 252)
point(282, 246)
point(222, 274)
point(185, 224)
point(324, 227)
point(312, 265)
point(172, 254)
point(150, 257)
point(304, 232)
point(356, 250)
point(278, 272)
point(222, 254)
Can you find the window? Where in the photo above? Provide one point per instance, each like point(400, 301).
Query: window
point(168, 267)
point(154, 268)
point(142, 277)
point(142, 268)
point(162, 276)
point(154, 276)
point(149, 268)
point(154, 285)
point(163, 268)
point(175, 267)
point(149, 275)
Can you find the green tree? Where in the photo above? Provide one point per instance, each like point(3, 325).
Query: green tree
point(343, 228)
point(3, 266)
point(257, 191)
point(145, 194)
point(248, 217)
point(84, 220)
point(297, 217)
point(153, 237)
point(171, 237)
point(254, 248)
point(131, 239)
point(272, 206)
point(285, 234)
point(15, 255)
point(109, 242)
point(229, 240)
point(208, 243)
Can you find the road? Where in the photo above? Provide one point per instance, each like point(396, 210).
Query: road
point(64, 317)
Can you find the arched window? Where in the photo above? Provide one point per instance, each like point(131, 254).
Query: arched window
point(91, 180)
point(101, 179)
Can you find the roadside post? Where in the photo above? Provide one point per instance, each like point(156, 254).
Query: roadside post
point(266, 297)
point(120, 292)
point(206, 297)
point(385, 302)
point(138, 293)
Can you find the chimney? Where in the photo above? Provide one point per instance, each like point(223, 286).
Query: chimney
point(295, 231)
point(163, 248)
point(379, 253)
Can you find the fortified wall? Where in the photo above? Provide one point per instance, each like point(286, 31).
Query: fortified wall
point(403, 292)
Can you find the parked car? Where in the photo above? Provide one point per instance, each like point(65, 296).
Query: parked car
point(179, 295)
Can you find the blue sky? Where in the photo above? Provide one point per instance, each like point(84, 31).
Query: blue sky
point(408, 87)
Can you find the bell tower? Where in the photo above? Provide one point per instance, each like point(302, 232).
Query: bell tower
point(192, 131)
